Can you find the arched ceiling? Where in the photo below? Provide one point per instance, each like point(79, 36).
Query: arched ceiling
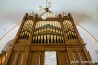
point(84, 12)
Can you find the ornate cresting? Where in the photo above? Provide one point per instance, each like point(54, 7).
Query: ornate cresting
point(36, 36)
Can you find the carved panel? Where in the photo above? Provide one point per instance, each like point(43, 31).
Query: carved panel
point(16, 58)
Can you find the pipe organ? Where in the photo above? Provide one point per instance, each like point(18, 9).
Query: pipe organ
point(47, 32)
point(69, 30)
point(37, 36)
point(26, 30)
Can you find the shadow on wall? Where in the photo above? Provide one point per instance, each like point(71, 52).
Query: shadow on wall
point(80, 17)
point(96, 12)
point(14, 16)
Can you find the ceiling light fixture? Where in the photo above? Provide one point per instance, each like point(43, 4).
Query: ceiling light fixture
point(47, 13)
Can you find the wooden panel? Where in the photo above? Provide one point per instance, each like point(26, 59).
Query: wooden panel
point(76, 58)
point(62, 58)
point(20, 58)
point(13, 58)
point(33, 58)
point(2, 57)
point(16, 58)
point(36, 58)
point(83, 58)
point(42, 57)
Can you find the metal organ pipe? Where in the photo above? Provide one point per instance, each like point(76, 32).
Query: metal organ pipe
point(47, 32)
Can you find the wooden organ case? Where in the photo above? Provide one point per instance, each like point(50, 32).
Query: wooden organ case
point(35, 36)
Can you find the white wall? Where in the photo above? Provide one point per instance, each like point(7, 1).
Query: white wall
point(91, 43)
point(8, 36)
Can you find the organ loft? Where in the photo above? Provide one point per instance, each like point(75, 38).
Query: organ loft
point(36, 36)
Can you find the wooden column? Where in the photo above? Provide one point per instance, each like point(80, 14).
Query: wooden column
point(25, 57)
point(70, 57)
point(42, 57)
point(63, 58)
point(58, 58)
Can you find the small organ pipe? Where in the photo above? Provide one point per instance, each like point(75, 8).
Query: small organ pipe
point(47, 32)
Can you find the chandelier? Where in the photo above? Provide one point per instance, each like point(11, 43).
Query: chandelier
point(47, 13)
